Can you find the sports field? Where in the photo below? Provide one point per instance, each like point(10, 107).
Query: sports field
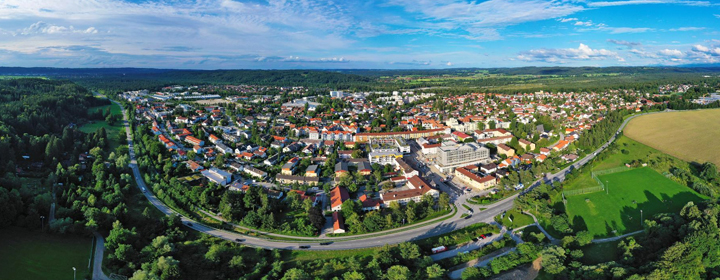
point(688, 135)
point(26, 254)
point(629, 192)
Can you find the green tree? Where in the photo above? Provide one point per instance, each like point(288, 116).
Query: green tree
point(295, 274)
point(409, 251)
point(353, 275)
point(444, 201)
point(399, 272)
point(553, 260)
point(435, 271)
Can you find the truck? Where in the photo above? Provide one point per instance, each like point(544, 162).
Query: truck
point(439, 249)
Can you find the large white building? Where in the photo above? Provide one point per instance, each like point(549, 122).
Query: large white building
point(337, 94)
point(452, 156)
point(220, 177)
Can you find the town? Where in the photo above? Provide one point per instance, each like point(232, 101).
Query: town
point(378, 149)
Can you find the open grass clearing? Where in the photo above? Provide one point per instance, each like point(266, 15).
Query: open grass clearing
point(692, 136)
point(618, 211)
point(27, 254)
point(514, 219)
point(113, 131)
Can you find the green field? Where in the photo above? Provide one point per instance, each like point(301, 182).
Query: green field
point(112, 130)
point(518, 219)
point(629, 192)
point(636, 151)
point(26, 254)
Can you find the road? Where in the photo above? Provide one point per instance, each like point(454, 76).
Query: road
point(457, 274)
point(98, 273)
point(417, 233)
point(469, 246)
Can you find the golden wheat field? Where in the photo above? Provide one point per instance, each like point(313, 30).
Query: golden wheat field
point(689, 135)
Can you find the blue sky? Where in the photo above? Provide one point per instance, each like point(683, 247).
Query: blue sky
point(311, 34)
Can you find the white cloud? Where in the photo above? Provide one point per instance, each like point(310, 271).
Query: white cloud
point(482, 19)
point(701, 48)
point(639, 2)
point(643, 54)
point(620, 30)
point(624, 43)
point(41, 27)
point(687, 29)
point(671, 53)
point(147, 28)
point(717, 15)
point(583, 52)
point(583, 23)
point(567, 19)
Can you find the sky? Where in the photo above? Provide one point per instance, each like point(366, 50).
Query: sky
point(350, 34)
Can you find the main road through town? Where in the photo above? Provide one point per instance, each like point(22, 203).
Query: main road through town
point(342, 243)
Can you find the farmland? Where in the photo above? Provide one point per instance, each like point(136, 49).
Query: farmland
point(690, 135)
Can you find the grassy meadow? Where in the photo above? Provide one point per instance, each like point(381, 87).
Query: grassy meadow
point(112, 130)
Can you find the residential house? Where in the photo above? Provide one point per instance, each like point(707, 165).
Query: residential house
point(338, 223)
point(341, 168)
point(302, 180)
point(369, 204)
point(194, 166)
point(417, 189)
point(311, 171)
point(505, 150)
point(338, 195)
point(364, 168)
point(473, 180)
point(526, 145)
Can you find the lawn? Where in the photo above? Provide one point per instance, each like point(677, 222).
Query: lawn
point(635, 151)
point(518, 219)
point(112, 130)
point(692, 136)
point(305, 255)
point(629, 192)
point(26, 254)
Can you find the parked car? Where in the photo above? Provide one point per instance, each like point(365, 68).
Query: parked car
point(482, 236)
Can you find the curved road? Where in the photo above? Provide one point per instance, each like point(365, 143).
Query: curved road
point(379, 239)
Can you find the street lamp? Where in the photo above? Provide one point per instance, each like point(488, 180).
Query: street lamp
point(641, 218)
point(74, 272)
point(42, 222)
